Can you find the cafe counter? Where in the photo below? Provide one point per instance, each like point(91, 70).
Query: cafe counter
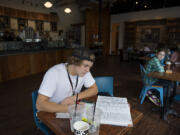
point(16, 64)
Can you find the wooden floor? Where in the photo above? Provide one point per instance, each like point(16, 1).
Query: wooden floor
point(16, 117)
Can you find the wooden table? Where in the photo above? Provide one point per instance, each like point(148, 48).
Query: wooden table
point(172, 78)
point(62, 126)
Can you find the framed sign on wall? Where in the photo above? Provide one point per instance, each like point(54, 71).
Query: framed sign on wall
point(150, 35)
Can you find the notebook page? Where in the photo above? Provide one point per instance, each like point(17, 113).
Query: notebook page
point(116, 111)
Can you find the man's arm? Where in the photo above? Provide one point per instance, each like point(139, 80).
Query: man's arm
point(43, 104)
point(91, 91)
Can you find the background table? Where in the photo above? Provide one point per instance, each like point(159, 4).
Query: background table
point(172, 78)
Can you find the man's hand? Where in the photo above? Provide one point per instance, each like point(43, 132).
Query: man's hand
point(69, 100)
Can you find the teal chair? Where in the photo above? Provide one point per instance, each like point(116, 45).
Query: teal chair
point(177, 98)
point(38, 123)
point(147, 87)
point(105, 85)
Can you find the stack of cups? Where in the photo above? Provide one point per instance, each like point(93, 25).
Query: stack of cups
point(75, 113)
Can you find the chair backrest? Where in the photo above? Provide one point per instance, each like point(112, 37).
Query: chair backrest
point(34, 98)
point(38, 123)
point(151, 55)
point(143, 72)
point(105, 84)
point(177, 98)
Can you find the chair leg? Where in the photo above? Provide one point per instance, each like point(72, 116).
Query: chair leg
point(38, 131)
point(140, 96)
point(161, 98)
point(143, 96)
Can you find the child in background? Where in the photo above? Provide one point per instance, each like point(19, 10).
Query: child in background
point(154, 65)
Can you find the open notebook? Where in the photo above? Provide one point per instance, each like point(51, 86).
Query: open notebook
point(116, 111)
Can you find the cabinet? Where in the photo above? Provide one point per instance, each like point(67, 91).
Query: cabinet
point(10, 12)
point(17, 13)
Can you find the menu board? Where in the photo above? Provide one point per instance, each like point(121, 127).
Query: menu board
point(47, 26)
point(14, 23)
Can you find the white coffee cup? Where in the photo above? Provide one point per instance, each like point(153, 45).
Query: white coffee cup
point(81, 128)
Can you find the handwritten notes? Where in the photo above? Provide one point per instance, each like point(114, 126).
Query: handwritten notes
point(116, 111)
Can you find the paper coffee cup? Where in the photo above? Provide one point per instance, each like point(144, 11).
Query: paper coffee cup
point(81, 128)
point(168, 62)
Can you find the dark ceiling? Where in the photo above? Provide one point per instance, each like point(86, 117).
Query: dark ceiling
point(124, 6)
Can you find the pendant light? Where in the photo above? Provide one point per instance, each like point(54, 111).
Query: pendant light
point(67, 10)
point(48, 4)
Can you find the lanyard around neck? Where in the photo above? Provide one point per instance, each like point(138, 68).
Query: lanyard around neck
point(73, 90)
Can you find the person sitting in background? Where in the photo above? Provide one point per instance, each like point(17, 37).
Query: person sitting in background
point(146, 49)
point(154, 65)
point(63, 82)
point(175, 56)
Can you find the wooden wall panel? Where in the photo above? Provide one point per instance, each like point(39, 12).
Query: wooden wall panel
point(1, 64)
point(20, 68)
point(1, 10)
point(4, 71)
point(51, 58)
point(65, 54)
point(58, 56)
point(38, 63)
point(15, 66)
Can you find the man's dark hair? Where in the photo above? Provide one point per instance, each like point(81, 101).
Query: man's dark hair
point(80, 54)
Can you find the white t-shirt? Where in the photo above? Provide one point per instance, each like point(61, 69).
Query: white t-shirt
point(56, 84)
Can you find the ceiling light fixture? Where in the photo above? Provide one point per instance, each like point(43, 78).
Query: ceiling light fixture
point(67, 10)
point(48, 4)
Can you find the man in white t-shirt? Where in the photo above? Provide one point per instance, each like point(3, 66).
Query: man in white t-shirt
point(62, 82)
